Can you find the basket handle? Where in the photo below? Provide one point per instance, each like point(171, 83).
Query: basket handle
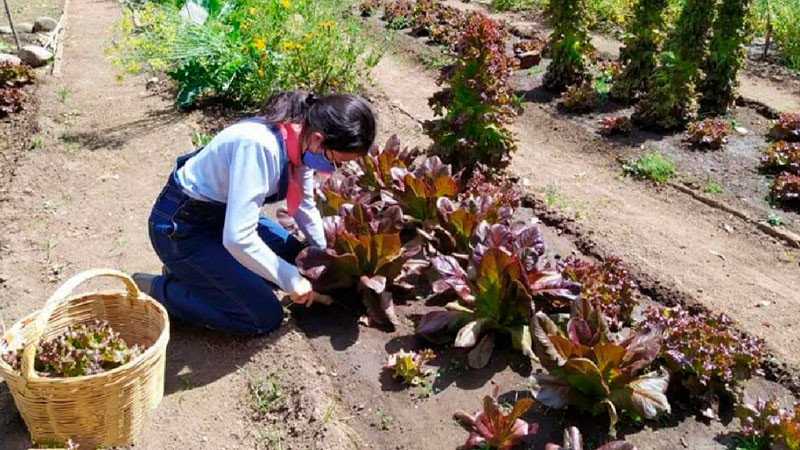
point(40, 323)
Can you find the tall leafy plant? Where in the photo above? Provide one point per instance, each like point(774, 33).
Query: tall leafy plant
point(727, 53)
point(589, 370)
point(570, 47)
point(474, 110)
point(644, 37)
point(671, 100)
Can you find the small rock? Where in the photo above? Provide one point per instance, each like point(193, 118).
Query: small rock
point(151, 83)
point(763, 304)
point(727, 228)
point(34, 55)
point(5, 29)
point(44, 24)
point(741, 130)
point(24, 27)
point(27, 191)
point(529, 59)
point(5, 58)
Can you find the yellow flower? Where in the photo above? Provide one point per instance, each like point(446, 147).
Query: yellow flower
point(286, 4)
point(261, 73)
point(308, 37)
point(289, 46)
point(252, 11)
point(259, 44)
point(327, 25)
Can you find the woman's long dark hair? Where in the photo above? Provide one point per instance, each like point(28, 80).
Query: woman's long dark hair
point(346, 122)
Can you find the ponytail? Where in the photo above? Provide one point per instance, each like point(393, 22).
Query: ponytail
point(346, 122)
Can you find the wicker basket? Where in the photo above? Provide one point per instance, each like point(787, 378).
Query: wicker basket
point(106, 409)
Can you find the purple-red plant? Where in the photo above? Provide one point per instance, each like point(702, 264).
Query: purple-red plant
point(705, 352)
point(474, 110)
point(364, 252)
point(502, 190)
point(786, 128)
point(767, 426)
point(574, 441)
point(786, 189)
point(458, 221)
point(492, 428)
point(337, 191)
point(610, 126)
point(580, 98)
point(375, 169)
point(398, 14)
point(369, 7)
point(708, 134)
point(11, 99)
point(417, 192)
point(781, 156)
point(606, 285)
point(497, 292)
point(409, 367)
point(80, 350)
point(589, 370)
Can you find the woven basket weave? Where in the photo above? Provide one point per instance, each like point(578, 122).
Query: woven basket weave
point(106, 409)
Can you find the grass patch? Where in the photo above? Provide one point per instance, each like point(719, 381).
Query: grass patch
point(712, 188)
point(651, 166)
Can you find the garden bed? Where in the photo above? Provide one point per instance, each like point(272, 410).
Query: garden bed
point(730, 176)
point(386, 415)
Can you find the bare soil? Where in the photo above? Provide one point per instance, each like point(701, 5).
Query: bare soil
point(81, 201)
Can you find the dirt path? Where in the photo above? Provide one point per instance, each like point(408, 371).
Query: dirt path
point(666, 236)
point(82, 201)
point(778, 96)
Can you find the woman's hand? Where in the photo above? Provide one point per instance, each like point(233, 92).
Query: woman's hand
point(305, 295)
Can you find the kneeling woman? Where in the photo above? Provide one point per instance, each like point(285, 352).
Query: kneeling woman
point(206, 228)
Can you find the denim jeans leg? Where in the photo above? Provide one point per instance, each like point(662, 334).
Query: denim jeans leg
point(283, 243)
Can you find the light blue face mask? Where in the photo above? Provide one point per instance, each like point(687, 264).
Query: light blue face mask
point(318, 162)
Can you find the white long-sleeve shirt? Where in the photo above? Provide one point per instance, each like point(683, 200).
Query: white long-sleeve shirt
point(241, 167)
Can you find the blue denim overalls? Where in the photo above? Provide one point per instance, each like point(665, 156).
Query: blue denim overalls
point(206, 286)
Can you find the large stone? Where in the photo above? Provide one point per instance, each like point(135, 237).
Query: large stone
point(24, 27)
point(529, 59)
point(13, 60)
point(5, 29)
point(35, 56)
point(44, 24)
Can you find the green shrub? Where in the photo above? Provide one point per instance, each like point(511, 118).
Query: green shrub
point(718, 88)
point(670, 102)
point(643, 39)
point(475, 108)
point(569, 45)
point(249, 49)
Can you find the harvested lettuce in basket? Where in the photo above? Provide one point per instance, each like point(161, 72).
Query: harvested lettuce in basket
point(80, 350)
